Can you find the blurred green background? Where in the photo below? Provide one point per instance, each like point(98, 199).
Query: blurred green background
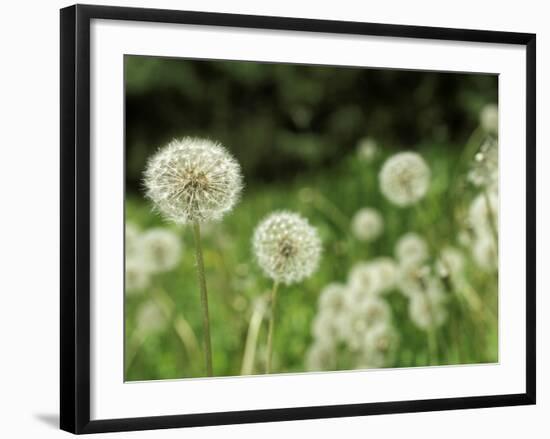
point(295, 130)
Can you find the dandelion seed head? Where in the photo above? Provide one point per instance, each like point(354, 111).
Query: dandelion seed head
point(287, 247)
point(367, 149)
point(149, 318)
point(363, 281)
point(320, 356)
point(367, 224)
point(193, 179)
point(488, 118)
point(378, 346)
point(361, 318)
point(380, 338)
point(161, 249)
point(484, 169)
point(464, 237)
point(325, 325)
point(450, 262)
point(426, 312)
point(404, 178)
point(483, 209)
point(333, 298)
point(485, 253)
point(132, 240)
point(414, 279)
point(136, 276)
point(387, 272)
point(411, 249)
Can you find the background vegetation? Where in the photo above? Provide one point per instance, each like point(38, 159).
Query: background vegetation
point(295, 131)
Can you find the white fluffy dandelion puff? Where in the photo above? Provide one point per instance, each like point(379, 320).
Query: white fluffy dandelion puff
point(485, 253)
point(136, 276)
point(367, 149)
point(367, 224)
point(387, 271)
point(287, 247)
point(361, 318)
point(132, 241)
point(363, 281)
point(483, 213)
point(193, 180)
point(161, 249)
point(450, 263)
point(333, 298)
point(150, 318)
point(404, 178)
point(378, 346)
point(411, 249)
point(427, 311)
point(321, 356)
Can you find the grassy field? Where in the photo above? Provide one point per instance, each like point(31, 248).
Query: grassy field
point(170, 346)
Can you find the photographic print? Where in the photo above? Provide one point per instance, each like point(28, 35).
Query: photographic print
point(288, 218)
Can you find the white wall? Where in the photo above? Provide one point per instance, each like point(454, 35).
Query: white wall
point(29, 206)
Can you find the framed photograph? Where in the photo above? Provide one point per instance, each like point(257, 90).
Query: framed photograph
point(268, 218)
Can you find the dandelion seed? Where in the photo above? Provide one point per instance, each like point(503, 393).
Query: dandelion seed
point(411, 249)
point(488, 118)
point(367, 224)
point(161, 249)
point(193, 180)
point(404, 178)
point(287, 247)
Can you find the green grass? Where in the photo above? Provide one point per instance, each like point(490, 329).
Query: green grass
point(328, 198)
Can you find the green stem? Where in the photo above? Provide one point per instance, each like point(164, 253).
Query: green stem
point(252, 338)
point(492, 219)
point(271, 327)
point(332, 212)
point(132, 350)
point(433, 348)
point(180, 324)
point(204, 298)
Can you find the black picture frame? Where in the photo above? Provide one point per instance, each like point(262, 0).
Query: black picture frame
point(75, 217)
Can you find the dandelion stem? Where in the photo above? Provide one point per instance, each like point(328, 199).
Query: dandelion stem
point(134, 345)
point(492, 219)
point(181, 326)
point(252, 338)
point(204, 298)
point(271, 327)
point(325, 206)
